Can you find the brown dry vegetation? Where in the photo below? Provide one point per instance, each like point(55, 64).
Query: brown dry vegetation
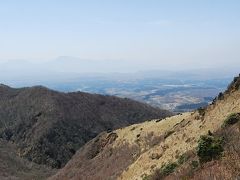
point(159, 143)
point(12, 167)
point(226, 167)
point(49, 126)
point(99, 160)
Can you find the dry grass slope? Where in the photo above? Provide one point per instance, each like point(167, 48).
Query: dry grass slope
point(148, 146)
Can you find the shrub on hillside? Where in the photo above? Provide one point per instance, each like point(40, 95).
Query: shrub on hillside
point(168, 169)
point(183, 158)
point(194, 164)
point(164, 171)
point(209, 148)
point(220, 96)
point(231, 119)
point(201, 111)
point(146, 177)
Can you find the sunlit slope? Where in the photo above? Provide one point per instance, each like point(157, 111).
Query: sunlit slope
point(138, 150)
point(183, 136)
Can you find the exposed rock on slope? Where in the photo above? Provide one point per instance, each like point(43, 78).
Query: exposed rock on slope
point(49, 126)
point(140, 150)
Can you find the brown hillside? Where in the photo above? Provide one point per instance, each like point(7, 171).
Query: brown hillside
point(48, 126)
point(141, 150)
point(13, 167)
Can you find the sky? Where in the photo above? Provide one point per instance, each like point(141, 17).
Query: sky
point(159, 34)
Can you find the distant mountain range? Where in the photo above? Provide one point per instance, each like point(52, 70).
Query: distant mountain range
point(66, 69)
point(174, 90)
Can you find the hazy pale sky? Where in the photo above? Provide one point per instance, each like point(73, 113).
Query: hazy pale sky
point(167, 33)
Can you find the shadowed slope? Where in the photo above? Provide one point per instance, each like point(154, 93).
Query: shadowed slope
point(49, 126)
point(13, 167)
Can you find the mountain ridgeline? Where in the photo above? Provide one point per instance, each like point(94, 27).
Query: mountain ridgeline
point(48, 127)
point(96, 137)
point(203, 144)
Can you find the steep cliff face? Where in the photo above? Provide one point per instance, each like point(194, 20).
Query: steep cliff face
point(164, 149)
point(49, 127)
